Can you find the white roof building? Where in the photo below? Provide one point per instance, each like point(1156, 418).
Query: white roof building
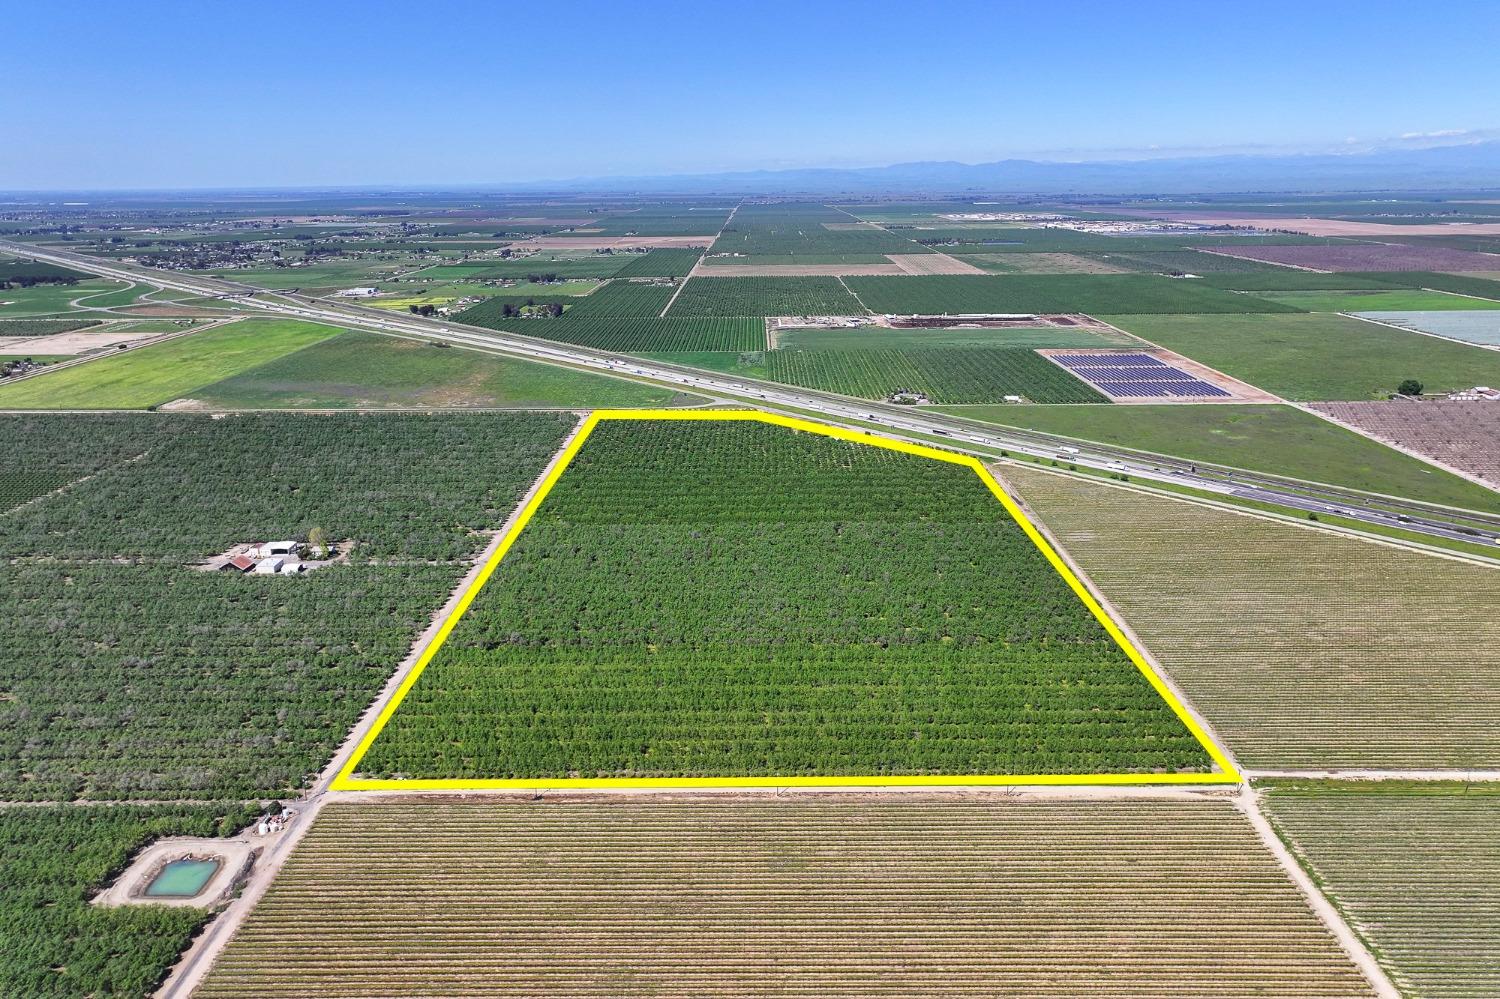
point(269, 566)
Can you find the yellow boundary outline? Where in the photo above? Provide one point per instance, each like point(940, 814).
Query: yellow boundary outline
point(346, 781)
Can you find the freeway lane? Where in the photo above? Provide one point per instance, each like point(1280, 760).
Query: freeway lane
point(1389, 512)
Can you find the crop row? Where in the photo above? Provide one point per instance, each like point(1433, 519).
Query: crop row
point(775, 897)
point(128, 674)
point(765, 296)
point(1268, 627)
point(950, 375)
point(1102, 294)
point(1415, 869)
point(645, 334)
point(398, 485)
point(623, 298)
point(692, 621)
point(671, 263)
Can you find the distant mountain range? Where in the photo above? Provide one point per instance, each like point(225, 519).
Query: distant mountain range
point(1457, 167)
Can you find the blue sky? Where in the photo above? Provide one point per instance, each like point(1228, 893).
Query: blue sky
point(167, 94)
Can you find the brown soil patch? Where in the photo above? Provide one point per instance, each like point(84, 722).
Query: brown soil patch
point(78, 341)
point(931, 263)
point(168, 312)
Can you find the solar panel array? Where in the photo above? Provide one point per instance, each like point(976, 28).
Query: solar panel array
point(1137, 376)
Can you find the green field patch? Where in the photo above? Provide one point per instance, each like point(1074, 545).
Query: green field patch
point(1458, 284)
point(765, 296)
point(625, 298)
point(43, 327)
point(336, 274)
point(868, 337)
point(53, 859)
point(638, 334)
point(406, 295)
point(48, 299)
point(1377, 301)
point(210, 685)
point(1286, 279)
point(949, 294)
point(875, 613)
point(1319, 357)
point(563, 265)
point(950, 375)
point(669, 262)
point(149, 376)
point(368, 371)
point(1280, 440)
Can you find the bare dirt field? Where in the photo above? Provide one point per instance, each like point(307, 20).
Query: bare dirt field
point(78, 341)
point(612, 242)
point(931, 263)
point(1462, 435)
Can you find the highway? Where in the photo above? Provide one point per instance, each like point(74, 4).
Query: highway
point(896, 421)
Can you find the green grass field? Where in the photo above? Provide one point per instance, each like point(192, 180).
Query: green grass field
point(1376, 301)
point(1278, 439)
point(149, 376)
point(49, 299)
point(590, 265)
point(341, 274)
point(367, 371)
point(1287, 279)
point(1319, 357)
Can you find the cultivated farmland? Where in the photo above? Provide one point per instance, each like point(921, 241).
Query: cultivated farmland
point(956, 294)
point(1318, 357)
point(672, 263)
point(948, 375)
point(666, 614)
point(636, 334)
point(130, 674)
point(766, 296)
point(51, 860)
point(162, 372)
point(1275, 439)
point(1415, 869)
point(369, 371)
point(835, 898)
point(1369, 257)
point(1269, 626)
point(624, 298)
point(1461, 435)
